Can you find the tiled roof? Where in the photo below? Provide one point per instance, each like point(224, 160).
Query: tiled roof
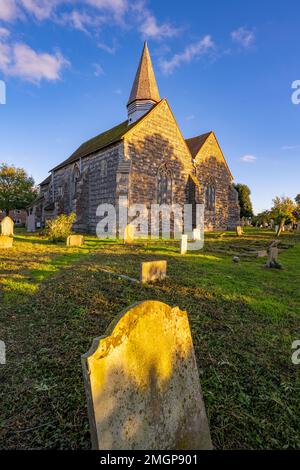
point(144, 86)
point(101, 141)
point(196, 143)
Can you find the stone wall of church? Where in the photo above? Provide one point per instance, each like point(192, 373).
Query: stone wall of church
point(212, 171)
point(153, 142)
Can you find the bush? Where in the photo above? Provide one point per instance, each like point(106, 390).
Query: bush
point(60, 228)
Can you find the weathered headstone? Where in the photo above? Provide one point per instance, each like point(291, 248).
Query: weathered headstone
point(184, 244)
point(239, 231)
point(7, 227)
point(152, 271)
point(142, 383)
point(31, 223)
point(236, 259)
point(75, 240)
point(129, 234)
point(196, 234)
point(273, 258)
point(6, 242)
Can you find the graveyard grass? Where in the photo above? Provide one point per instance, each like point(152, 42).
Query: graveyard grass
point(54, 300)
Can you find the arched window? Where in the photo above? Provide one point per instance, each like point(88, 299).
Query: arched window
point(210, 198)
point(164, 185)
point(75, 180)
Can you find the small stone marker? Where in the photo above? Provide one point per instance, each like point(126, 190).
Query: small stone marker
point(236, 259)
point(31, 223)
point(152, 271)
point(7, 227)
point(129, 234)
point(75, 240)
point(239, 231)
point(6, 242)
point(184, 245)
point(142, 383)
point(196, 234)
point(273, 258)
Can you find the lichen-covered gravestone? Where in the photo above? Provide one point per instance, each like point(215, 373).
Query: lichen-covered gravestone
point(75, 240)
point(152, 271)
point(184, 244)
point(7, 227)
point(239, 231)
point(142, 383)
point(129, 234)
point(6, 242)
point(31, 223)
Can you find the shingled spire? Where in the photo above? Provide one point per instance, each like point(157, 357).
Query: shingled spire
point(144, 93)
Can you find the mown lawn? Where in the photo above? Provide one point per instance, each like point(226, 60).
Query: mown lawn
point(244, 318)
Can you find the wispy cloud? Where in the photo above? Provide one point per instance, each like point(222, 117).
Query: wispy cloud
point(248, 158)
point(4, 33)
point(106, 48)
point(290, 147)
point(22, 61)
point(98, 70)
point(191, 52)
point(243, 37)
point(8, 10)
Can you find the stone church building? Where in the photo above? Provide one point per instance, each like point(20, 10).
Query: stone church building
point(145, 158)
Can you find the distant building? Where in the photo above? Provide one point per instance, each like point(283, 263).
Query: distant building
point(145, 158)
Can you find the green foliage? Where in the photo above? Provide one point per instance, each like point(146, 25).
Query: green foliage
point(263, 218)
point(244, 200)
point(60, 228)
point(17, 189)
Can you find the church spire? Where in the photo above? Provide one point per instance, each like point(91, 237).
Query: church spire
point(144, 93)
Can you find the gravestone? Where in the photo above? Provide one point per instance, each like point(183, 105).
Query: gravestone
point(142, 383)
point(273, 258)
point(184, 245)
point(7, 227)
point(31, 223)
point(75, 240)
point(196, 234)
point(6, 242)
point(239, 231)
point(129, 234)
point(153, 271)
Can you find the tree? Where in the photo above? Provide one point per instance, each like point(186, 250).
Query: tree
point(263, 218)
point(244, 200)
point(17, 189)
point(283, 211)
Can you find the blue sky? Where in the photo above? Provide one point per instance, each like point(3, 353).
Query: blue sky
point(227, 66)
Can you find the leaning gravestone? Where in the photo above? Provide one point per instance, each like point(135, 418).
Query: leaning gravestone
point(273, 258)
point(7, 227)
point(6, 242)
point(239, 231)
point(75, 240)
point(142, 383)
point(184, 245)
point(152, 271)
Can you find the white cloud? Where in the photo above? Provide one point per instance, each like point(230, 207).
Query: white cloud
point(41, 9)
point(116, 7)
point(150, 28)
point(98, 70)
point(4, 33)
point(8, 10)
point(290, 147)
point(22, 61)
point(248, 158)
point(81, 20)
point(243, 36)
point(192, 51)
point(106, 48)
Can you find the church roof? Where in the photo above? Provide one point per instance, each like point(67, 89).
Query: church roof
point(46, 181)
point(112, 136)
point(196, 143)
point(144, 86)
